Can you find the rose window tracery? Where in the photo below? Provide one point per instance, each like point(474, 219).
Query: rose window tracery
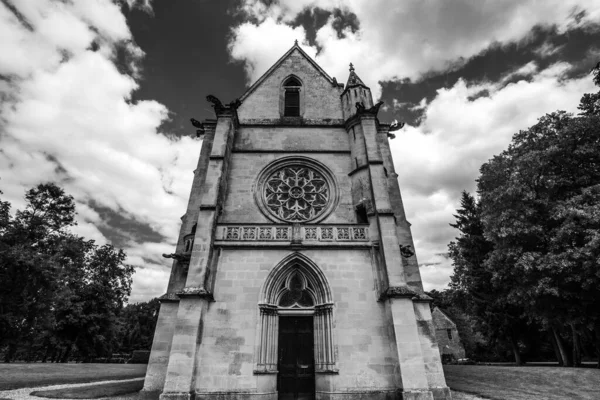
point(296, 193)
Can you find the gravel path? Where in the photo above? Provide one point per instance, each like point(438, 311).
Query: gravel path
point(23, 393)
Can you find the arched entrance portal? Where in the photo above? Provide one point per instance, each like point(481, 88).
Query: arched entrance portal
point(296, 327)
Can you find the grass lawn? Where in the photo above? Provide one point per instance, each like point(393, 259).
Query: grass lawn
point(524, 383)
point(15, 375)
point(92, 392)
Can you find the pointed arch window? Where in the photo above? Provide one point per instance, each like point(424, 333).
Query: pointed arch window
point(291, 100)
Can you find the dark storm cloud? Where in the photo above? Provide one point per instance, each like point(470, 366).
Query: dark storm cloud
point(122, 230)
point(543, 45)
point(186, 58)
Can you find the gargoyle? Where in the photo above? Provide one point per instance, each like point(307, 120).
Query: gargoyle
point(200, 131)
point(178, 257)
point(219, 107)
point(235, 104)
point(406, 251)
point(375, 109)
point(360, 108)
point(394, 126)
point(216, 103)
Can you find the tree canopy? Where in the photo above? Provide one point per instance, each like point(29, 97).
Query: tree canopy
point(60, 293)
point(529, 247)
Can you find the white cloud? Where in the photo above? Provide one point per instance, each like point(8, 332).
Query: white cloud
point(441, 157)
point(70, 105)
point(400, 39)
point(261, 46)
point(524, 71)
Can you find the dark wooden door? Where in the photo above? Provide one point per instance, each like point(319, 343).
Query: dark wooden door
point(296, 379)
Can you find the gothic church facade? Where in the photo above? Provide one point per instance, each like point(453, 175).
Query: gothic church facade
point(294, 274)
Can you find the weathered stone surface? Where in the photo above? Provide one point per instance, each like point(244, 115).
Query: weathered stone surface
point(449, 343)
point(217, 336)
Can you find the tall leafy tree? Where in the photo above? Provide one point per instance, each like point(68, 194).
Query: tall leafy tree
point(538, 207)
point(136, 326)
point(27, 267)
point(58, 292)
point(473, 282)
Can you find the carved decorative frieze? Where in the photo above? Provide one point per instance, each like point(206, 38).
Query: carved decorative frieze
point(310, 233)
point(265, 233)
point(233, 233)
point(282, 233)
point(326, 233)
point(301, 234)
point(343, 233)
point(249, 233)
point(359, 233)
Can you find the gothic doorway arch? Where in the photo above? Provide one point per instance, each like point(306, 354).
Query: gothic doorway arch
point(296, 299)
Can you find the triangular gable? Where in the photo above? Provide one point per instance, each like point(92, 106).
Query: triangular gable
point(279, 62)
point(445, 316)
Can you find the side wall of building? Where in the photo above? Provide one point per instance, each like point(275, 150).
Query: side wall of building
point(448, 346)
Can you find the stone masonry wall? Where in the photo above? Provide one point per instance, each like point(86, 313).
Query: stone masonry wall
point(292, 138)
point(446, 345)
point(365, 347)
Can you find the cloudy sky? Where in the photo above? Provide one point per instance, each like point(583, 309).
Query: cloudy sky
point(96, 95)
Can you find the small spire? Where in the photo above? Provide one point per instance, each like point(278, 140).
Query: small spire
point(296, 42)
point(353, 79)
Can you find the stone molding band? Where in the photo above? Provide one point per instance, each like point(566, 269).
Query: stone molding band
point(397, 292)
point(195, 292)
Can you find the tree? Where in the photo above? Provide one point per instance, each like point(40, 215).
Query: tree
point(537, 206)
point(27, 269)
point(59, 292)
point(590, 102)
point(473, 282)
point(136, 326)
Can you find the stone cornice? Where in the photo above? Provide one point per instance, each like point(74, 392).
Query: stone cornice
point(238, 150)
point(199, 292)
point(284, 123)
point(169, 297)
point(356, 119)
point(364, 166)
point(396, 292)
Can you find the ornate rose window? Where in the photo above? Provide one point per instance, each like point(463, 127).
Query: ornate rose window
point(296, 190)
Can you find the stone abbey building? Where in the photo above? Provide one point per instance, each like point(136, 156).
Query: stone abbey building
point(294, 274)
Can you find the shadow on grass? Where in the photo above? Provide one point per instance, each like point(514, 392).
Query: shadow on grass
point(92, 391)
